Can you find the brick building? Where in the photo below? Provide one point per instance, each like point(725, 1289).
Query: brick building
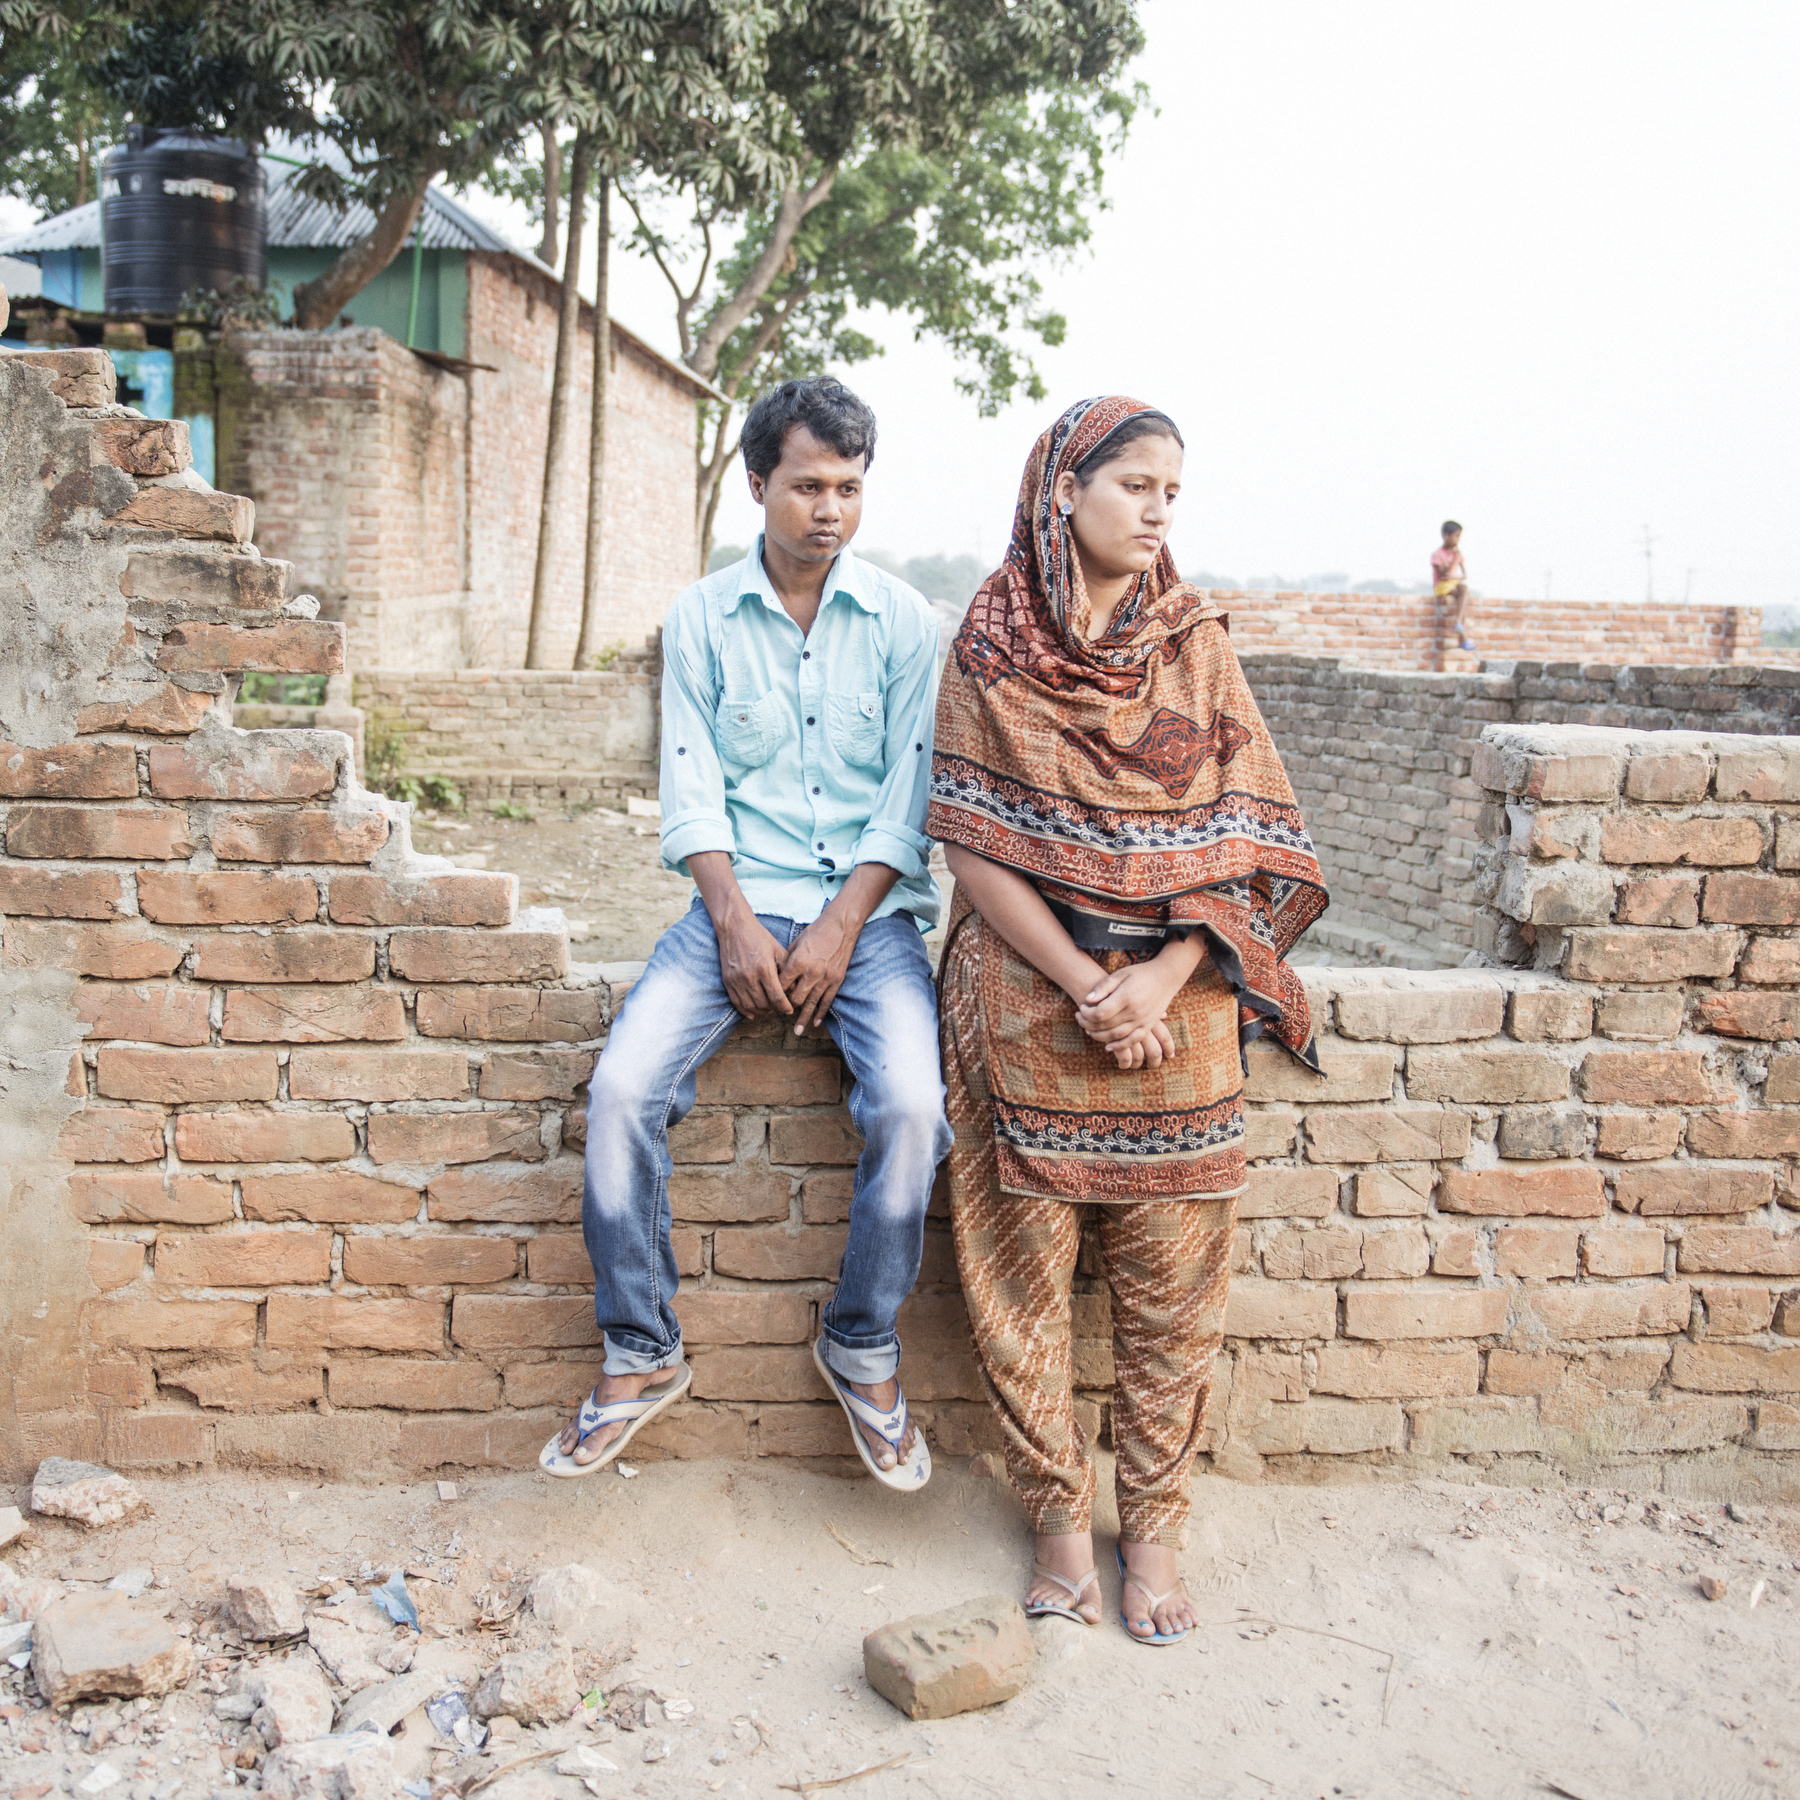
point(405, 483)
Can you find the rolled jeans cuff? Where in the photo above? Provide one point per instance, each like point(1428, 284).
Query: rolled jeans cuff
point(636, 1355)
point(866, 1364)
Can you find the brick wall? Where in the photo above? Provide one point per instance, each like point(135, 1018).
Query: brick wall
point(294, 1115)
point(1381, 759)
point(1412, 631)
point(406, 492)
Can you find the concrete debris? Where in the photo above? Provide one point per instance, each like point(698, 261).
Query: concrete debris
point(385, 1706)
point(348, 1651)
point(102, 1643)
point(935, 1665)
point(264, 1608)
point(536, 1687)
point(26, 1596)
point(12, 1525)
point(291, 1703)
point(577, 1602)
point(582, 1762)
point(1712, 1584)
point(131, 1582)
point(358, 1767)
point(15, 1637)
point(83, 1491)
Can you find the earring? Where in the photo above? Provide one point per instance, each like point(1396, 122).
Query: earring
point(1066, 507)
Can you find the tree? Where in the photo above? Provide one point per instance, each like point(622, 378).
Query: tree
point(939, 149)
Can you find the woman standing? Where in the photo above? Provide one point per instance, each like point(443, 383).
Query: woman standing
point(1130, 871)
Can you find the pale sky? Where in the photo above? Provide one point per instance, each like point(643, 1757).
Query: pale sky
point(1531, 266)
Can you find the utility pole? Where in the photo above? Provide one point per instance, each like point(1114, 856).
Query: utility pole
point(1649, 568)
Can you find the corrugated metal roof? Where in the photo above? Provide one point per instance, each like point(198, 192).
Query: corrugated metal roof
point(77, 229)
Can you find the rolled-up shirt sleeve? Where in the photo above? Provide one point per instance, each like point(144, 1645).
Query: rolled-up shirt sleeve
point(692, 782)
point(895, 833)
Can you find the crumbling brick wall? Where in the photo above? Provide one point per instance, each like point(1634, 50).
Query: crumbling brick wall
point(294, 1116)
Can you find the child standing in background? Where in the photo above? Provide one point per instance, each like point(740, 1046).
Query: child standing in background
point(1448, 577)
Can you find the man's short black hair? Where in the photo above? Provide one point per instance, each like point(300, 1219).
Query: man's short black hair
point(1448, 526)
point(827, 409)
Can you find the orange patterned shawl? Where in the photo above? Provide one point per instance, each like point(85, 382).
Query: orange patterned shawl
point(1133, 779)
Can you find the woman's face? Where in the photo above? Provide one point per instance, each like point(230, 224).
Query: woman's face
point(1122, 517)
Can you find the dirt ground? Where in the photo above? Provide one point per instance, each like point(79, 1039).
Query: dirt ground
point(1382, 1640)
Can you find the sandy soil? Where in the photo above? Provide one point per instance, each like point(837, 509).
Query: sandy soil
point(1380, 1640)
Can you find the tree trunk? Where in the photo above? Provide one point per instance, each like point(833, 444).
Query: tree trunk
point(317, 303)
point(711, 483)
point(588, 644)
point(552, 195)
point(568, 321)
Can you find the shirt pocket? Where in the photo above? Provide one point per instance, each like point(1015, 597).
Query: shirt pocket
point(747, 731)
point(858, 727)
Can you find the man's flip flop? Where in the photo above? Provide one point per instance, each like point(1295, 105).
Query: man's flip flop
point(908, 1475)
point(595, 1417)
point(1157, 1639)
point(1061, 1609)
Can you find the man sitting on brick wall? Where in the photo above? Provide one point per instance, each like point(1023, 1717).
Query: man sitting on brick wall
point(798, 694)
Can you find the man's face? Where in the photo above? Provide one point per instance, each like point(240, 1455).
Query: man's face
point(812, 499)
point(1452, 539)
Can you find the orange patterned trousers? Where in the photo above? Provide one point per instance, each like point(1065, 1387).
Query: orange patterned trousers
point(1167, 1266)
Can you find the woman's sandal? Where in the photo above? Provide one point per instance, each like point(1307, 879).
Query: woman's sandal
point(1157, 1639)
point(1059, 1609)
point(595, 1417)
point(909, 1473)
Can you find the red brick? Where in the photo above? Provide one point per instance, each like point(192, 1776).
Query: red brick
point(1396, 1254)
point(559, 1259)
point(704, 1138)
point(1270, 1131)
point(734, 1078)
point(146, 1197)
point(1660, 900)
point(771, 1375)
point(207, 575)
point(1735, 1369)
point(743, 1195)
point(532, 1075)
point(1736, 1311)
point(1424, 1312)
point(156, 1440)
point(298, 1015)
point(1351, 1072)
point(179, 1077)
point(61, 893)
point(1512, 1372)
point(461, 1137)
point(779, 1252)
point(1280, 1309)
point(111, 1134)
point(284, 956)
point(559, 1383)
point(294, 647)
point(1652, 1015)
point(1493, 1075)
point(1556, 1190)
point(260, 765)
point(1611, 1254)
point(413, 1386)
point(127, 833)
point(1647, 1077)
point(1643, 953)
point(1439, 1009)
point(541, 1196)
point(441, 1260)
point(244, 1259)
point(1536, 1252)
point(166, 710)
point(149, 1015)
point(140, 446)
point(68, 772)
point(514, 1015)
point(1775, 961)
point(1767, 772)
point(1550, 1015)
point(481, 1441)
point(1783, 1082)
point(301, 836)
point(1752, 900)
point(1674, 777)
point(1772, 1017)
point(1738, 1250)
point(1613, 1310)
point(1639, 1137)
point(327, 1322)
point(1282, 1194)
point(120, 1382)
point(1397, 1193)
point(127, 951)
point(1644, 838)
point(511, 954)
point(176, 897)
point(190, 513)
point(1392, 1133)
point(255, 1137)
point(1457, 1253)
point(114, 1263)
point(1677, 1190)
point(1375, 1372)
point(825, 1199)
point(1744, 1134)
point(378, 1075)
point(76, 1084)
point(468, 898)
point(504, 1321)
point(1292, 1255)
point(720, 1316)
point(329, 1197)
point(817, 1430)
point(174, 1324)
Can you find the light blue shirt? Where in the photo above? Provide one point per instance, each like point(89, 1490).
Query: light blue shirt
point(801, 756)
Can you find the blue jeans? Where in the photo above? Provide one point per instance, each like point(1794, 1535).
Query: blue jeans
point(884, 1020)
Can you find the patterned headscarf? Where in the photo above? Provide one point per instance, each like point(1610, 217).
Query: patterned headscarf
point(1131, 777)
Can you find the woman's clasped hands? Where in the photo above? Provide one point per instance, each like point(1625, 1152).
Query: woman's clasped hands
point(1124, 1011)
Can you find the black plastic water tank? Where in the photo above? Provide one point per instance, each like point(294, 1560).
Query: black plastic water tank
point(179, 211)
